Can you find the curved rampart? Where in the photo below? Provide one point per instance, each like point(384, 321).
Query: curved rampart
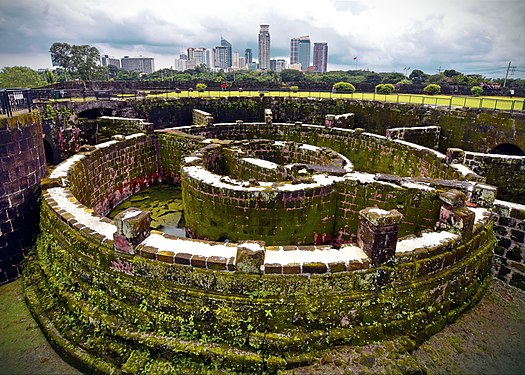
point(184, 305)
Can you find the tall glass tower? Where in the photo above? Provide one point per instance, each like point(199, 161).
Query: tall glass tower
point(264, 47)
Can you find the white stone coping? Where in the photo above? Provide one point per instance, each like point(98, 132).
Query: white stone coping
point(81, 213)
point(188, 246)
point(426, 240)
point(266, 164)
point(345, 254)
point(482, 214)
point(134, 119)
point(495, 156)
point(416, 128)
point(515, 206)
point(63, 168)
point(463, 169)
point(419, 147)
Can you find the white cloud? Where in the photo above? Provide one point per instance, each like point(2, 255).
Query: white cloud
point(386, 35)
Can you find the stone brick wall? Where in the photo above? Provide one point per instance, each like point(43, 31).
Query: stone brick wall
point(367, 151)
point(509, 227)
point(506, 172)
point(22, 165)
point(108, 126)
point(114, 171)
point(202, 118)
point(427, 136)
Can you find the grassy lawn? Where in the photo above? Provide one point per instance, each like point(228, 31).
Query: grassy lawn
point(491, 102)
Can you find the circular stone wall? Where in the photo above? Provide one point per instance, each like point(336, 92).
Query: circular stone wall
point(279, 192)
point(163, 303)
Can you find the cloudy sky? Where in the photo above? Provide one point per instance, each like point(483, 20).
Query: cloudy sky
point(472, 36)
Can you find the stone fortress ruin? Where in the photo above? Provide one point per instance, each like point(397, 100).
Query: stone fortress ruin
point(301, 236)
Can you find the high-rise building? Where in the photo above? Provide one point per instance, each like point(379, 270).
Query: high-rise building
point(106, 60)
point(180, 64)
point(300, 51)
point(229, 52)
point(304, 52)
point(139, 64)
point(280, 65)
point(242, 62)
point(209, 59)
point(264, 47)
point(222, 57)
point(248, 55)
point(273, 65)
point(320, 57)
point(235, 60)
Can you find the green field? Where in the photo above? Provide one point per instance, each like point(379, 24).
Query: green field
point(491, 102)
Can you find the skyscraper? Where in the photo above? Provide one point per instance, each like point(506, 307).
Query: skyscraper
point(304, 52)
point(222, 57)
point(248, 55)
point(264, 47)
point(229, 53)
point(320, 57)
point(294, 51)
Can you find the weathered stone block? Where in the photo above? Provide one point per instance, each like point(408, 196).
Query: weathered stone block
point(133, 226)
point(250, 257)
point(454, 215)
point(483, 195)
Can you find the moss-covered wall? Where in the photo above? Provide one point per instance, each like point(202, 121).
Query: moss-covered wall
point(368, 152)
point(22, 166)
point(115, 171)
point(112, 311)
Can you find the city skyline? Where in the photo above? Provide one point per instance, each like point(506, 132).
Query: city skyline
point(469, 36)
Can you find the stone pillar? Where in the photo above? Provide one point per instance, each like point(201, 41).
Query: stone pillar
point(455, 155)
point(250, 257)
point(329, 121)
point(377, 233)
point(483, 195)
point(454, 215)
point(133, 226)
point(268, 116)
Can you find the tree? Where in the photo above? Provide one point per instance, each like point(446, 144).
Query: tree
point(432, 89)
point(476, 90)
point(343, 87)
point(385, 88)
point(20, 76)
point(81, 61)
point(291, 75)
point(418, 76)
point(200, 87)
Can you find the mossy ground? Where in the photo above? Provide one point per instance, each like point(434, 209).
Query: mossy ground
point(23, 348)
point(486, 340)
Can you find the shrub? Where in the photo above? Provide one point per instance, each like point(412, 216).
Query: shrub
point(343, 87)
point(294, 88)
point(404, 82)
point(200, 87)
point(432, 89)
point(476, 90)
point(385, 88)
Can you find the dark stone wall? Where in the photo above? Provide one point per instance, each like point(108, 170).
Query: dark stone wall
point(22, 165)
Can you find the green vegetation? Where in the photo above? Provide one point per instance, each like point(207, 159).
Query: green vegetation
point(77, 61)
point(385, 88)
point(200, 87)
point(432, 89)
point(19, 77)
point(294, 88)
point(343, 87)
point(476, 90)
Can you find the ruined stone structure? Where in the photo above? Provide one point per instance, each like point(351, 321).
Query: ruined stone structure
point(302, 236)
point(22, 165)
point(368, 264)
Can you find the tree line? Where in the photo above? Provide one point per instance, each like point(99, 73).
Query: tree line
point(82, 62)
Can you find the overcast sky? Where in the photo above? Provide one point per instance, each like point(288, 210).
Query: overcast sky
point(472, 36)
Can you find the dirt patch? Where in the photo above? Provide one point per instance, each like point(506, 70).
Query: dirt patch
point(489, 339)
